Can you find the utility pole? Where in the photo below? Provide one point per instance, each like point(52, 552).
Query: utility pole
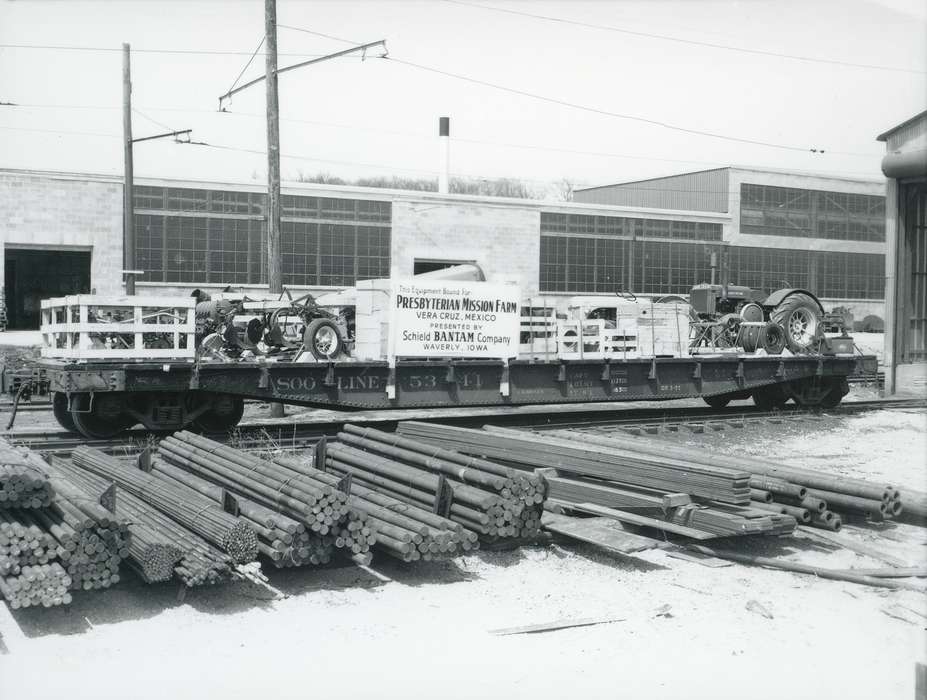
point(128, 224)
point(274, 275)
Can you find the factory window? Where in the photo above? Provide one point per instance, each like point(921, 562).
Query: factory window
point(851, 275)
point(622, 226)
point(783, 211)
point(769, 268)
point(664, 267)
point(218, 248)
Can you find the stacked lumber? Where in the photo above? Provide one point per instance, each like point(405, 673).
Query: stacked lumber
point(22, 484)
point(301, 514)
point(810, 496)
point(615, 462)
point(487, 499)
point(718, 520)
point(181, 503)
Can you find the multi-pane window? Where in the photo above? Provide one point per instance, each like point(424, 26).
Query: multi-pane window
point(626, 226)
point(665, 267)
point(195, 236)
point(784, 211)
point(769, 268)
point(851, 275)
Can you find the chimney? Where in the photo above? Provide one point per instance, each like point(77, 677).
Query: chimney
point(444, 134)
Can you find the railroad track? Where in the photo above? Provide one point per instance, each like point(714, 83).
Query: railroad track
point(267, 436)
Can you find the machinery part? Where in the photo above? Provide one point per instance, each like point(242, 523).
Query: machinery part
point(223, 414)
point(323, 339)
point(752, 312)
point(800, 316)
point(104, 418)
point(773, 338)
point(62, 414)
point(769, 397)
point(839, 388)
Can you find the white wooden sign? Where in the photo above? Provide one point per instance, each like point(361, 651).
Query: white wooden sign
point(454, 319)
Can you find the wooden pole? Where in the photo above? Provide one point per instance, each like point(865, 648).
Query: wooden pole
point(274, 275)
point(127, 207)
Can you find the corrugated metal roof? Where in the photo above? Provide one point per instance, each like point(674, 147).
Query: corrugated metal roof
point(884, 136)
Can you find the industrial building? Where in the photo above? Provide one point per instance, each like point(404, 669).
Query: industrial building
point(823, 233)
point(63, 233)
point(905, 166)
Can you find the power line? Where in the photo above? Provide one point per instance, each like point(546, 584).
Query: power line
point(64, 133)
point(692, 42)
point(263, 39)
point(153, 121)
point(183, 52)
point(424, 135)
point(314, 33)
point(603, 112)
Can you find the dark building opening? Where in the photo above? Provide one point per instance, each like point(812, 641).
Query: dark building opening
point(32, 275)
point(421, 266)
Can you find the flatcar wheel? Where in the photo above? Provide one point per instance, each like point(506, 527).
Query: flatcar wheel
point(105, 419)
point(770, 397)
point(717, 401)
point(62, 414)
point(223, 415)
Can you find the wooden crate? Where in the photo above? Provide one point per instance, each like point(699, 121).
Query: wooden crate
point(91, 327)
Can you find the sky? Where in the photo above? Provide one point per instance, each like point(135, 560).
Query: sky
point(605, 80)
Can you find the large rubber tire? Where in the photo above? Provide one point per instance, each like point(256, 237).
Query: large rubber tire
point(800, 317)
point(62, 414)
point(719, 401)
point(323, 339)
point(224, 414)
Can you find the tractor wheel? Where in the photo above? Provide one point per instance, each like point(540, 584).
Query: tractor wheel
point(719, 401)
point(800, 317)
point(770, 397)
point(222, 416)
point(323, 339)
point(62, 414)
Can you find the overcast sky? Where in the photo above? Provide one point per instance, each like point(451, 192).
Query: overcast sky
point(379, 117)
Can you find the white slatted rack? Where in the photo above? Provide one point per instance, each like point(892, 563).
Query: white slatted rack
point(92, 327)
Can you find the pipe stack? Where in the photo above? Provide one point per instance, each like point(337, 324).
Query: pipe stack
point(22, 485)
point(283, 540)
point(304, 496)
point(154, 551)
point(23, 542)
point(190, 509)
point(487, 498)
point(43, 584)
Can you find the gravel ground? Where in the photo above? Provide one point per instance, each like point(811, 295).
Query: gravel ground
point(683, 629)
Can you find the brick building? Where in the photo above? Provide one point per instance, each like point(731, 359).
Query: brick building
point(62, 233)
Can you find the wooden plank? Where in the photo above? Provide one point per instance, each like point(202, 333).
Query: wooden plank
point(556, 625)
point(697, 558)
point(642, 520)
point(603, 532)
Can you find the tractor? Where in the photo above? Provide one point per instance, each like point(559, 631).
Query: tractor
point(730, 316)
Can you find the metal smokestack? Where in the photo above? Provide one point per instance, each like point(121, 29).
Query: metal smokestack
point(444, 138)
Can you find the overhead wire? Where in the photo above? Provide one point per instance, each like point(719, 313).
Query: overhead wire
point(182, 52)
point(263, 39)
point(693, 42)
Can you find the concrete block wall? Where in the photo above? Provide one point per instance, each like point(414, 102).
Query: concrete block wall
point(68, 212)
point(503, 240)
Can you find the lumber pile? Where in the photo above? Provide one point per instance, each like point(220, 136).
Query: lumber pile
point(300, 514)
point(181, 503)
point(811, 497)
point(676, 493)
point(477, 498)
point(614, 462)
point(22, 484)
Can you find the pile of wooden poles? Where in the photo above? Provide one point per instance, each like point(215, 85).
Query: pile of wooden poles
point(489, 499)
point(193, 511)
point(302, 512)
point(21, 484)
